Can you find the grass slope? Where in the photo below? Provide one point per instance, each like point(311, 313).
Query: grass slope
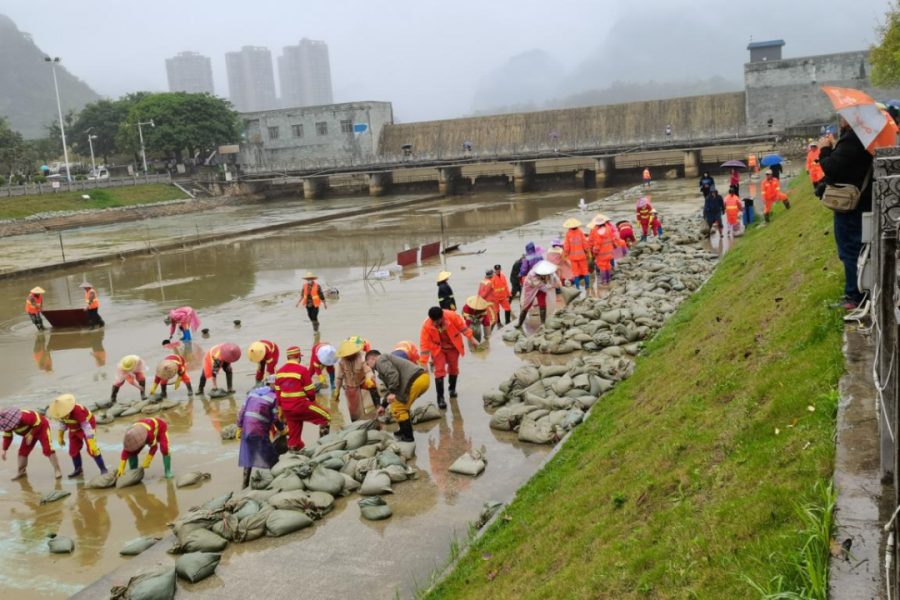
point(679, 486)
point(20, 207)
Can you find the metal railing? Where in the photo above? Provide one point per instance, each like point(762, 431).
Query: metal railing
point(38, 189)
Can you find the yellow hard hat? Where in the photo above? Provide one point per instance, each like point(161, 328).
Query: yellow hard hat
point(256, 352)
point(61, 407)
point(348, 348)
point(129, 362)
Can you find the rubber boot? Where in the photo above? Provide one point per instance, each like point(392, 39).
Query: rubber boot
point(54, 462)
point(522, 316)
point(406, 431)
point(190, 390)
point(315, 326)
point(164, 392)
point(167, 466)
point(439, 386)
point(132, 462)
point(229, 379)
point(543, 316)
point(508, 317)
point(453, 379)
point(23, 466)
point(324, 430)
point(100, 464)
point(246, 483)
point(143, 388)
point(78, 471)
point(643, 238)
point(376, 398)
point(787, 204)
point(587, 282)
point(577, 282)
point(202, 384)
point(114, 394)
point(766, 216)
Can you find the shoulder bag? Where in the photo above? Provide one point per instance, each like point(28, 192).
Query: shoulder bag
point(844, 197)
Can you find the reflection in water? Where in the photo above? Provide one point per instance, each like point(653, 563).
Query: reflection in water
point(221, 411)
point(450, 445)
point(41, 354)
point(92, 524)
point(47, 518)
point(150, 513)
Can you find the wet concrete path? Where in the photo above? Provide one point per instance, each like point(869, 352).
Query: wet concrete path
point(257, 280)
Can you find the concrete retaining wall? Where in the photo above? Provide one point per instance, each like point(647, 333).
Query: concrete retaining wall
point(610, 122)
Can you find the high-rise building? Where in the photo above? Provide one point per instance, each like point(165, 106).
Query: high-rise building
point(190, 72)
point(305, 74)
point(251, 79)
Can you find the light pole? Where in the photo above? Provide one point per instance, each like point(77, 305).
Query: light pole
point(141, 134)
point(91, 139)
point(62, 127)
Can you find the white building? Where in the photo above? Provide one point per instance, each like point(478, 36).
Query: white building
point(305, 74)
point(190, 72)
point(251, 79)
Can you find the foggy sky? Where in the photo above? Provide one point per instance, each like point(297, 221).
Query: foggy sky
point(428, 56)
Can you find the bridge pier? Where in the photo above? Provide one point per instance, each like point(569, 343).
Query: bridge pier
point(692, 162)
point(523, 176)
point(380, 183)
point(586, 178)
point(606, 171)
point(448, 180)
point(315, 187)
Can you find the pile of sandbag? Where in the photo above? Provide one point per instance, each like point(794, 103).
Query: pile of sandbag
point(648, 286)
point(106, 411)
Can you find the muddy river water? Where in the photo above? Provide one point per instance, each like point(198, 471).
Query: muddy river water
point(256, 280)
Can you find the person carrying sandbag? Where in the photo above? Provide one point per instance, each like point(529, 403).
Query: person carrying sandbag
point(405, 382)
point(33, 427)
point(296, 399)
point(82, 427)
point(153, 433)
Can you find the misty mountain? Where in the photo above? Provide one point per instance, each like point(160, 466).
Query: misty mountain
point(27, 97)
point(531, 76)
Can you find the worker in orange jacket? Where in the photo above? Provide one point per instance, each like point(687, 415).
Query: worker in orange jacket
point(486, 287)
point(34, 306)
point(312, 298)
point(751, 162)
point(575, 248)
point(406, 349)
point(771, 193)
point(92, 306)
point(812, 165)
point(441, 343)
point(647, 180)
point(502, 294)
point(605, 243)
point(733, 210)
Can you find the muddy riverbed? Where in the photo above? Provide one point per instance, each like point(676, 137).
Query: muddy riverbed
point(256, 280)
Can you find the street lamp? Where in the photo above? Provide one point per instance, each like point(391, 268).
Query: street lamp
point(62, 129)
point(141, 134)
point(91, 139)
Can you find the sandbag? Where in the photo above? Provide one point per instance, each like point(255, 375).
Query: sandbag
point(217, 503)
point(288, 461)
point(229, 432)
point(367, 451)
point(104, 418)
point(363, 466)
point(511, 335)
point(492, 398)
point(197, 566)
point(130, 478)
point(471, 463)
point(365, 424)
point(101, 482)
point(553, 371)
point(425, 412)
point(356, 439)
point(388, 458)
point(501, 419)
point(259, 495)
point(225, 527)
point(169, 404)
point(135, 547)
point(350, 485)
point(130, 412)
point(586, 402)
point(196, 519)
point(376, 482)
point(407, 449)
point(296, 500)
point(322, 504)
point(286, 482)
point(569, 294)
point(525, 376)
point(54, 496)
point(61, 545)
point(325, 480)
point(488, 510)
point(200, 540)
point(283, 522)
point(247, 508)
point(260, 479)
point(563, 385)
point(337, 444)
point(151, 409)
point(573, 418)
point(153, 584)
point(116, 411)
point(253, 527)
point(192, 478)
point(399, 473)
point(219, 393)
point(375, 509)
point(537, 432)
point(377, 436)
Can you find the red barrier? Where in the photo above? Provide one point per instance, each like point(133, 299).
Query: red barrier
point(73, 317)
point(429, 250)
point(408, 257)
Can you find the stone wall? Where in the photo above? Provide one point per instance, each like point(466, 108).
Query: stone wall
point(789, 91)
point(609, 123)
point(300, 139)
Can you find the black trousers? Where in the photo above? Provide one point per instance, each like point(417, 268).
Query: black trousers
point(313, 313)
point(94, 318)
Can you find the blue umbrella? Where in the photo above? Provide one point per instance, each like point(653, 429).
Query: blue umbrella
point(771, 159)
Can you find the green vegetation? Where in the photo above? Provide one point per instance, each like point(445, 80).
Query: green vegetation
point(885, 56)
point(23, 206)
point(706, 475)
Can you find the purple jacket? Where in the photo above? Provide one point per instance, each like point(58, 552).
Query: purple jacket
point(532, 257)
point(258, 413)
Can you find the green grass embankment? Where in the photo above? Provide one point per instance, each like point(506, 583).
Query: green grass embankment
point(685, 481)
point(19, 207)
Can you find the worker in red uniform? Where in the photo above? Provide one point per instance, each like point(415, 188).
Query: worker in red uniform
point(575, 248)
point(153, 433)
point(321, 361)
point(644, 212)
point(441, 343)
point(812, 164)
point(172, 367)
point(480, 317)
point(311, 298)
point(265, 354)
point(33, 428)
point(626, 232)
point(502, 294)
point(406, 349)
point(771, 193)
point(82, 427)
point(486, 288)
point(296, 399)
point(92, 306)
point(605, 242)
point(34, 306)
point(219, 358)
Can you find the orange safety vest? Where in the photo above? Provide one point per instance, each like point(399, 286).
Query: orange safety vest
point(486, 290)
point(501, 287)
point(752, 160)
point(33, 304)
point(430, 338)
point(408, 348)
point(646, 173)
point(575, 245)
point(317, 300)
point(813, 167)
point(732, 205)
point(604, 245)
point(771, 190)
point(90, 298)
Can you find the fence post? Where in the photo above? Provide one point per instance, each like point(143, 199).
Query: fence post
point(61, 247)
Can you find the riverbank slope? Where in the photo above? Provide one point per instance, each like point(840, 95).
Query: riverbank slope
point(685, 481)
